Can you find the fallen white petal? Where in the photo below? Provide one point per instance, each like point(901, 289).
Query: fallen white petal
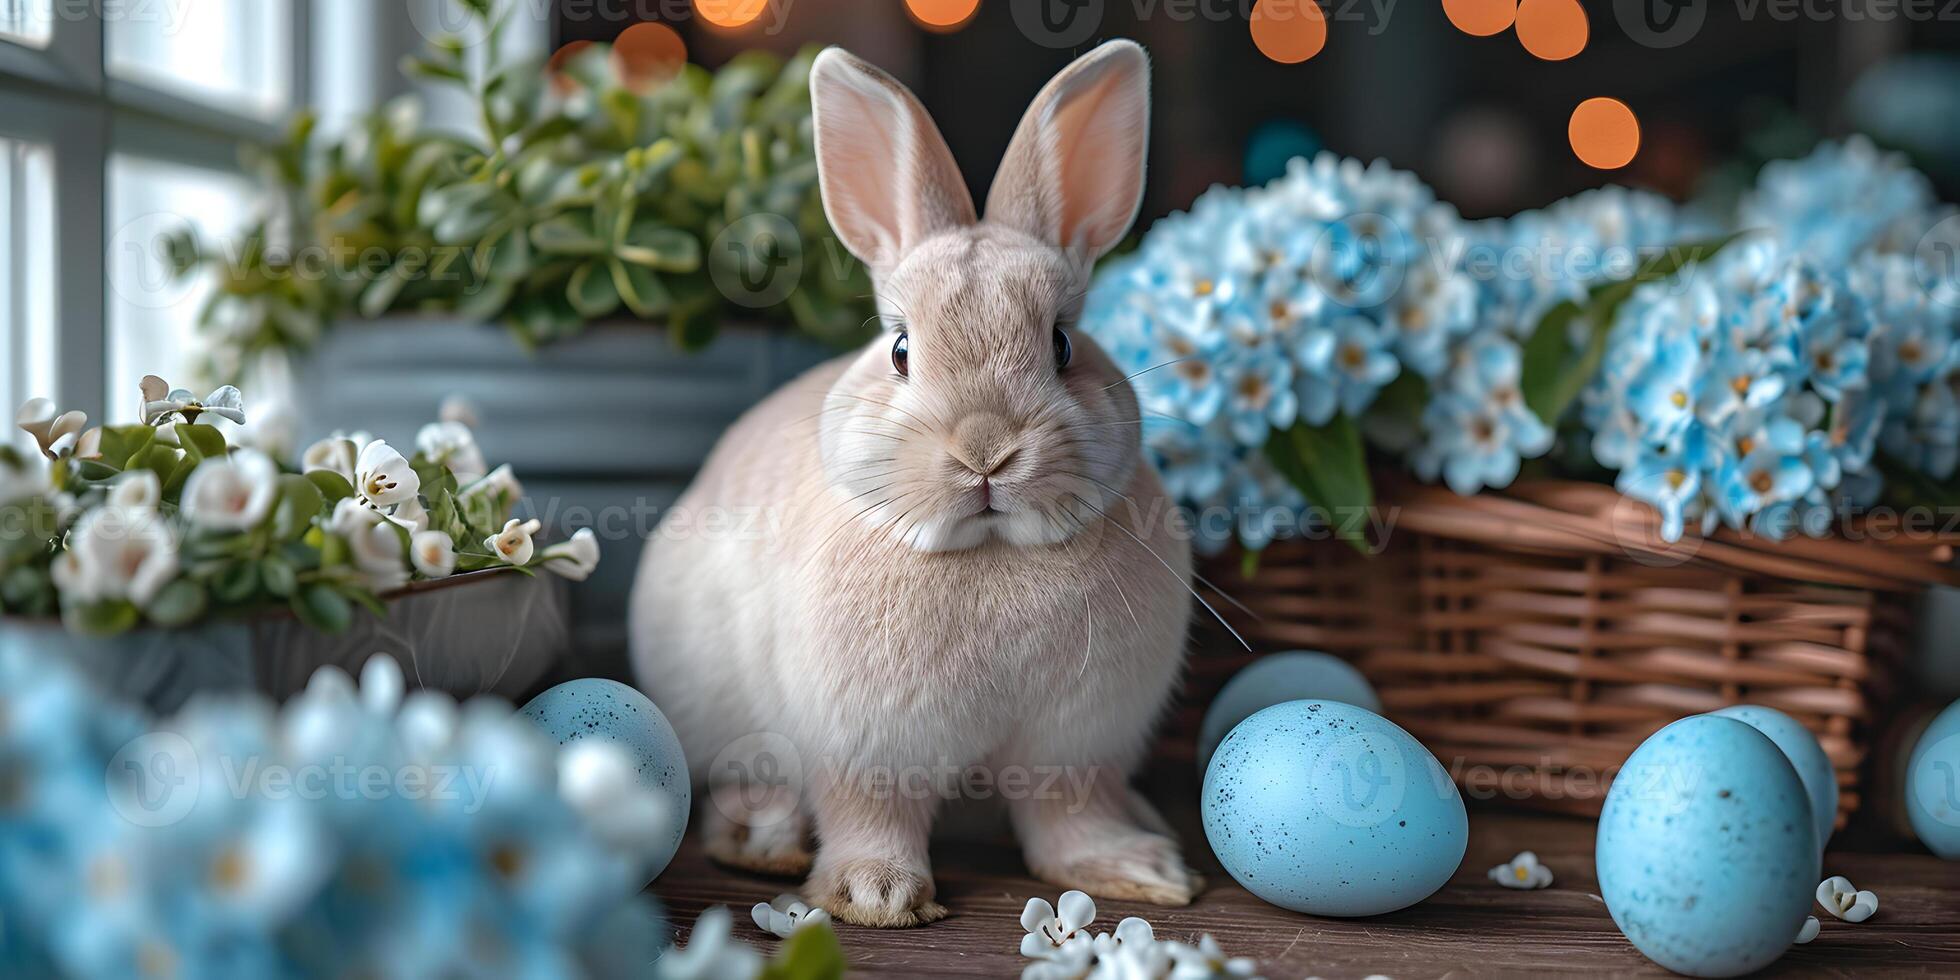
point(1809, 930)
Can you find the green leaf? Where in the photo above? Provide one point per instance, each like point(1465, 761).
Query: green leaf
point(381, 294)
point(235, 582)
point(810, 953)
point(691, 331)
point(366, 600)
point(123, 444)
point(281, 579)
point(320, 607)
point(101, 618)
point(567, 235)
point(1554, 374)
point(660, 247)
point(201, 441)
point(1329, 465)
point(178, 604)
point(641, 289)
point(300, 500)
point(591, 291)
point(332, 486)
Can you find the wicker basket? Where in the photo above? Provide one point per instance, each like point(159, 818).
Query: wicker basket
point(1533, 638)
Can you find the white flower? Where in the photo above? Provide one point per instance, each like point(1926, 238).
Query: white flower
point(513, 544)
point(225, 403)
point(1147, 960)
point(500, 482)
point(1840, 898)
point(1049, 930)
point(136, 490)
point(433, 553)
point(410, 515)
point(712, 953)
point(376, 546)
point(1075, 961)
point(337, 453)
point(232, 493)
point(597, 778)
point(1522, 871)
point(453, 445)
point(1808, 931)
point(1206, 960)
point(785, 915)
point(575, 559)
point(1132, 931)
point(383, 477)
point(458, 408)
point(55, 433)
point(117, 553)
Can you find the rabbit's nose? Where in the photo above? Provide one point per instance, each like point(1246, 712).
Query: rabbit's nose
point(983, 443)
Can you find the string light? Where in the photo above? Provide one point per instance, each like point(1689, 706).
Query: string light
point(1288, 31)
point(1552, 29)
point(1481, 18)
point(648, 55)
point(1604, 133)
point(729, 14)
point(942, 16)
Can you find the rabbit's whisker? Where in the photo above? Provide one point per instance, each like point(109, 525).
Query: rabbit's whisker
point(1151, 368)
point(1173, 572)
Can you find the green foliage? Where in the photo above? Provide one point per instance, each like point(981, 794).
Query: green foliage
point(1329, 464)
point(579, 197)
point(810, 953)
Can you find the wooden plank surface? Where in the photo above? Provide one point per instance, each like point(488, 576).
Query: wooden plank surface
point(1470, 928)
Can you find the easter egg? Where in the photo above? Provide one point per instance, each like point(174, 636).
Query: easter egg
point(596, 708)
point(1933, 784)
point(1330, 809)
point(1291, 676)
point(1707, 855)
point(1806, 756)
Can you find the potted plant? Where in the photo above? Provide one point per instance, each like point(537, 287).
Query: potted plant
point(1668, 439)
point(167, 560)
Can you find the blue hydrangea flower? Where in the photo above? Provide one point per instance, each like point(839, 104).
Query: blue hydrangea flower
point(1842, 200)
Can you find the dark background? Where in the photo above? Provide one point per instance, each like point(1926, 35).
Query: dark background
point(1479, 118)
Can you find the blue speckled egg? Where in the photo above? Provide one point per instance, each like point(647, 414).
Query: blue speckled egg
point(1289, 676)
point(1933, 784)
point(1706, 854)
point(1805, 755)
point(1326, 808)
point(593, 707)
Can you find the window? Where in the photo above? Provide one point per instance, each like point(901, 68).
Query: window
point(26, 273)
point(153, 314)
point(235, 54)
point(27, 21)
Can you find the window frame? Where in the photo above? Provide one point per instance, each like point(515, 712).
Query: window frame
point(61, 96)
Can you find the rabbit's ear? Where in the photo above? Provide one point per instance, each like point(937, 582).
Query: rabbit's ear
point(888, 180)
point(1073, 176)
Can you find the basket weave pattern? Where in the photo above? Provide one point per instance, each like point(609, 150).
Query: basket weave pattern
point(1533, 639)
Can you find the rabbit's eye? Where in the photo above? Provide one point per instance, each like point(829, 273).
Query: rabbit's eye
point(902, 355)
point(1064, 351)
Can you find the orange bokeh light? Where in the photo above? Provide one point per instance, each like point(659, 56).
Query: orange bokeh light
point(1481, 18)
point(648, 55)
point(1288, 31)
point(944, 16)
point(1604, 133)
point(1552, 29)
point(563, 84)
point(729, 13)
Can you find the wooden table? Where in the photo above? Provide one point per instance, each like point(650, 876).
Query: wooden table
point(1471, 927)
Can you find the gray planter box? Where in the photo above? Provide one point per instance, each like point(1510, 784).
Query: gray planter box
point(485, 633)
point(604, 429)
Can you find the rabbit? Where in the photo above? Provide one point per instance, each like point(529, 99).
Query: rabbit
point(965, 567)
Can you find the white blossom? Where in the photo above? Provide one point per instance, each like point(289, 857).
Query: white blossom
point(337, 453)
point(575, 559)
point(1842, 899)
point(433, 553)
point(1522, 871)
point(513, 544)
point(458, 408)
point(226, 403)
point(1808, 931)
point(500, 482)
point(453, 445)
point(1205, 961)
point(383, 477)
point(712, 952)
point(785, 915)
point(231, 493)
point(117, 553)
point(55, 433)
point(136, 490)
point(374, 544)
point(1050, 930)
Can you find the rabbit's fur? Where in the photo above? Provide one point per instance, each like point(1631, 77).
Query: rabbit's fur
point(836, 677)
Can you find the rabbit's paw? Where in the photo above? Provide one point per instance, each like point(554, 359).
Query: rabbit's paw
point(1137, 866)
point(768, 838)
point(876, 892)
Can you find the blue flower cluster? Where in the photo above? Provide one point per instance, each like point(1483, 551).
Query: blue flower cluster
point(1758, 392)
point(1842, 200)
point(336, 837)
point(1755, 390)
